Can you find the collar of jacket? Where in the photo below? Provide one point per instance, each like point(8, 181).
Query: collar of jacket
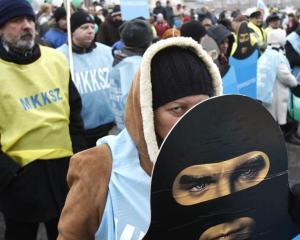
point(27, 57)
point(81, 50)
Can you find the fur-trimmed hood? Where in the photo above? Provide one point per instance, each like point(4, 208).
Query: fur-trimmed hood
point(139, 117)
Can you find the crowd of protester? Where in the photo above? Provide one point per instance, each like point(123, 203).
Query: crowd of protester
point(113, 63)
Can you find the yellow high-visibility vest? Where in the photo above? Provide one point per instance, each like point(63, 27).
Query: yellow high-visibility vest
point(258, 33)
point(34, 108)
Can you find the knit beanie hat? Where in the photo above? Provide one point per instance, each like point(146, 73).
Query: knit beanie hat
point(176, 73)
point(10, 9)
point(136, 33)
point(80, 17)
point(59, 13)
point(116, 11)
point(193, 29)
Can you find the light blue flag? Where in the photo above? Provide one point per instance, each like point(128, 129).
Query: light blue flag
point(131, 9)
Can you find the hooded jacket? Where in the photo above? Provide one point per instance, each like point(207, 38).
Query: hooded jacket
point(108, 33)
point(90, 171)
point(219, 33)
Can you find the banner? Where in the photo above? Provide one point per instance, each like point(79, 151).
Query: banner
point(261, 5)
point(131, 9)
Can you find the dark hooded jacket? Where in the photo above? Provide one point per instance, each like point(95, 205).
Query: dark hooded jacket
point(109, 33)
point(219, 33)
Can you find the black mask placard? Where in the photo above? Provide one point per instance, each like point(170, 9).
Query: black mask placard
point(222, 174)
point(244, 46)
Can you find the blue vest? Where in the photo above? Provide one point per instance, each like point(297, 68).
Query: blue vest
point(297, 237)
point(127, 211)
point(294, 40)
point(266, 73)
point(121, 77)
point(245, 70)
point(91, 72)
point(230, 84)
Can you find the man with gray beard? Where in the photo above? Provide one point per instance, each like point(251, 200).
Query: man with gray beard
point(40, 125)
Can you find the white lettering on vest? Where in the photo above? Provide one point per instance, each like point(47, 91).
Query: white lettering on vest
point(128, 231)
point(92, 80)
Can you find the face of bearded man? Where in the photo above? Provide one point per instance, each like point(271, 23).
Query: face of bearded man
point(19, 33)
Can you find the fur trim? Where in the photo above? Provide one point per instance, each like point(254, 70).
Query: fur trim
point(146, 86)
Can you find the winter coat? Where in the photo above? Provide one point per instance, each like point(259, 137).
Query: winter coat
point(161, 27)
point(281, 92)
point(55, 37)
point(291, 53)
point(219, 33)
point(90, 171)
point(108, 32)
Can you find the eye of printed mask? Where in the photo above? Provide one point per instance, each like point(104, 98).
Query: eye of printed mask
point(200, 183)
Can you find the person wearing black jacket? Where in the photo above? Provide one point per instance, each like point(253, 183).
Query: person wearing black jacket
point(108, 32)
point(292, 55)
point(40, 126)
point(160, 9)
point(224, 39)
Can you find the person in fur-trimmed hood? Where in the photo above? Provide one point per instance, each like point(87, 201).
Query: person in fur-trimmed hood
point(109, 194)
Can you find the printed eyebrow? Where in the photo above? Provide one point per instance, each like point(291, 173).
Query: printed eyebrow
point(255, 163)
point(192, 180)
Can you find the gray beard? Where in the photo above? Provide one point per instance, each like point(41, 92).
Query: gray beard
point(20, 45)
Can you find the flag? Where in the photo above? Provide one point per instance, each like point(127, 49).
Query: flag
point(261, 5)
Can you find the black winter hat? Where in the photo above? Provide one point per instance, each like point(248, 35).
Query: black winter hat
point(116, 11)
point(80, 17)
point(10, 9)
point(176, 73)
point(193, 29)
point(59, 13)
point(136, 33)
point(272, 17)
